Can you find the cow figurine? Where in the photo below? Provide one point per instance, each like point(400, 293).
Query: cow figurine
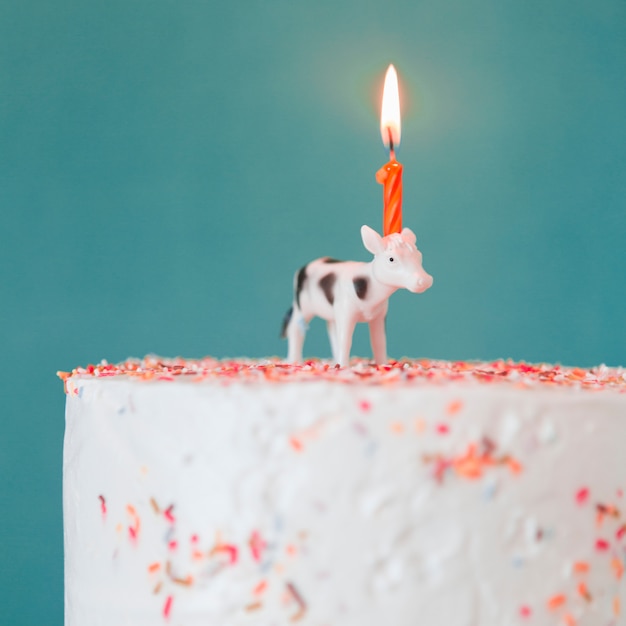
point(346, 292)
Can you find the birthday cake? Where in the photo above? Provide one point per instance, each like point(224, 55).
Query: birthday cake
point(419, 492)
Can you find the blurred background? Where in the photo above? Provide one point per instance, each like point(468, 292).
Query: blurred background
point(165, 167)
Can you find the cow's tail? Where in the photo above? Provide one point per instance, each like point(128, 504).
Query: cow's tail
point(286, 320)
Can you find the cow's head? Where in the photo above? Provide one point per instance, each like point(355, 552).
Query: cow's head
point(397, 261)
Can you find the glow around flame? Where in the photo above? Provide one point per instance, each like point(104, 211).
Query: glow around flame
point(390, 113)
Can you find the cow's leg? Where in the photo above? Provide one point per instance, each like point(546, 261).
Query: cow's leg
point(344, 327)
point(295, 336)
point(378, 339)
point(332, 337)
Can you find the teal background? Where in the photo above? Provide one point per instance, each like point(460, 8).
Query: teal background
point(166, 166)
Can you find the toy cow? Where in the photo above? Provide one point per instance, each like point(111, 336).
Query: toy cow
point(346, 292)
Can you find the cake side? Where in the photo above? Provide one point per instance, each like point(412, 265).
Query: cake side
point(240, 501)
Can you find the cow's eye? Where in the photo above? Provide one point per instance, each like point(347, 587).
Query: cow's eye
point(391, 259)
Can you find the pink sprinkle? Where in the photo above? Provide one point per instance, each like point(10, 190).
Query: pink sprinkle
point(620, 493)
point(132, 533)
point(443, 429)
point(365, 405)
point(233, 553)
point(525, 611)
point(621, 532)
point(167, 607)
point(257, 545)
point(172, 545)
point(103, 505)
point(602, 545)
point(168, 514)
point(194, 538)
point(582, 495)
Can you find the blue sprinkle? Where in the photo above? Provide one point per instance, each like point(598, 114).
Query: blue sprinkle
point(517, 561)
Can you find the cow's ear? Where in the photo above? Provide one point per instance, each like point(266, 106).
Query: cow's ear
point(409, 236)
point(372, 241)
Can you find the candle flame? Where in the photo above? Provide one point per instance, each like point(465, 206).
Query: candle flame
point(390, 114)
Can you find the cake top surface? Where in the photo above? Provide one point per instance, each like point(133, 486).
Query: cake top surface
point(407, 371)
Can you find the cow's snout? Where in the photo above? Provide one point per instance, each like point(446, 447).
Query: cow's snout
point(422, 283)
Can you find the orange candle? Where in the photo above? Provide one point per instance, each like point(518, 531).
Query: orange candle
point(390, 175)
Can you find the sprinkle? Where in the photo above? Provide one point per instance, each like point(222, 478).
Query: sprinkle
point(365, 405)
point(618, 568)
point(454, 407)
point(132, 532)
point(231, 550)
point(155, 506)
point(172, 545)
point(167, 607)
point(157, 588)
point(103, 505)
point(442, 429)
point(168, 514)
point(621, 531)
point(260, 588)
point(291, 550)
point(602, 545)
point(197, 555)
point(420, 425)
point(257, 545)
point(556, 601)
point(581, 567)
point(295, 444)
point(154, 567)
point(514, 466)
point(616, 606)
point(255, 606)
point(396, 427)
point(568, 618)
point(582, 495)
point(583, 592)
point(301, 603)
point(525, 611)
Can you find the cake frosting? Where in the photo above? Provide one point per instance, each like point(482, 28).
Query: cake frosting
point(420, 492)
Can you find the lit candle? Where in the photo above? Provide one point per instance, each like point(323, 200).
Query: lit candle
point(390, 175)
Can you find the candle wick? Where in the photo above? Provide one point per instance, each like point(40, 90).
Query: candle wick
point(392, 152)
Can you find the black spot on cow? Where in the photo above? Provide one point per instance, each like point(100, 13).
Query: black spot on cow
point(361, 284)
point(327, 285)
point(300, 283)
point(329, 260)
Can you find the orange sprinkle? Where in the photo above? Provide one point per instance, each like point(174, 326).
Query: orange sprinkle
point(296, 444)
point(260, 588)
point(291, 550)
point(581, 567)
point(514, 466)
point(254, 606)
point(583, 592)
point(397, 427)
point(556, 601)
point(618, 568)
point(154, 567)
point(131, 510)
point(569, 619)
point(454, 407)
point(616, 606)
point(197, 555)
point(420, 425)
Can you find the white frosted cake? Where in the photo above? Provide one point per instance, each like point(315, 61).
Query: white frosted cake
point(423, 493)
